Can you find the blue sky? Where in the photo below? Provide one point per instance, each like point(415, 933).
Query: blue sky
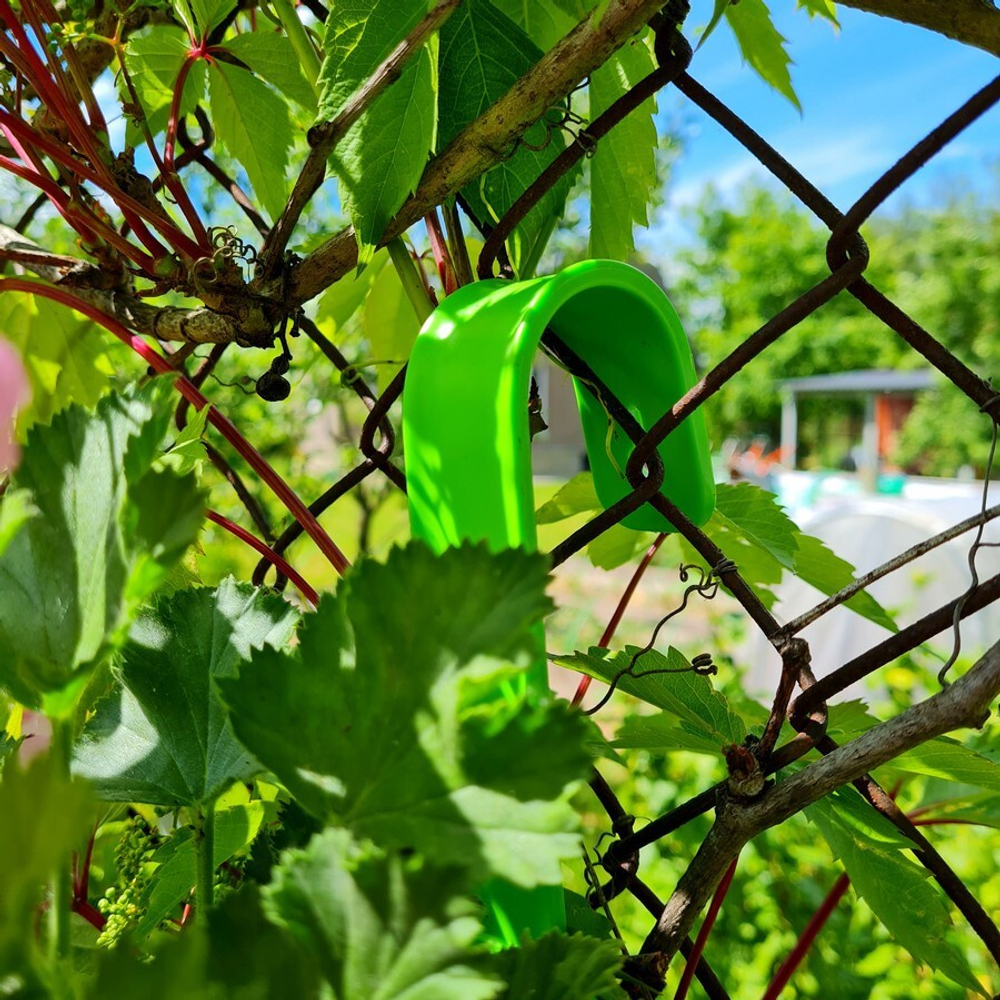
point(868, 92)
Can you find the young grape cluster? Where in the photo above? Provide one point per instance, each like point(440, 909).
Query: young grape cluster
point(123, 902)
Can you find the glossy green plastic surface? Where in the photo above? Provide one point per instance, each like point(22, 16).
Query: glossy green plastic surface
point(468, 448)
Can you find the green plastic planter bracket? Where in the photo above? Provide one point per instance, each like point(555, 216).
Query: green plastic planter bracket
point(468, 454)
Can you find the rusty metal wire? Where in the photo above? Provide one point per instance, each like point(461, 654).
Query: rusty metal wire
point(848, 258)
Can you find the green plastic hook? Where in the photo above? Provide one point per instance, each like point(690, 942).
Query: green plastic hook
point(468, 454)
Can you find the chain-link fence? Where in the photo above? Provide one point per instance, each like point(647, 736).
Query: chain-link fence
point(848, 258)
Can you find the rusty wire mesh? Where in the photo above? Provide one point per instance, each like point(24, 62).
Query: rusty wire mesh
point(848, 258)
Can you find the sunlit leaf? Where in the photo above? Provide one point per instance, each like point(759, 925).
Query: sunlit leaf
point(381, 159)
point(255, 126)
point(402, 713)
point(761, 45)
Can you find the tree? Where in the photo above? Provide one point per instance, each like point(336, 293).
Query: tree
point(752, 258)
point(340, 795)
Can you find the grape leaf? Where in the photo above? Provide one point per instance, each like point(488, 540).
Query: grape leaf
point(623, 168)
point(153, 60)
point(762, 46)
point(380, 160)
point(64, 355)
point(273, 59)
point(178, 973)
point(483, 53)
point(614, 547)
point(255, 126)
point(558, 965)
point(73, 576)
point(235, 829)
point(252, 957)
point(380, 926)
point(407, 737)
point(46, 817)
point(895, 888)
point(687, 695)
point(164, 737)
point(941, 757)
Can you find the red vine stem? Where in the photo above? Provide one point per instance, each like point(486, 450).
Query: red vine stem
point(267, 552)
point(170, 177)
point(57, 91)
point(442, 255)
point(127, 204)
point(623, 604)
point(806, 938)
point(190, 392)
point(706, 928)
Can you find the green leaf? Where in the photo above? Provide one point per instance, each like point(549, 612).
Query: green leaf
point(164, 737)
point(946, 758)
point(273, 59)
point(895, 888)
point(982, 809)
point(756, 516)
point(342, 300)
point(380, 160)
point(380, 927)
point(820, 8)
point(717, 11)
point(658, 732)
point(209, 13)
point(617, 546)
point(578, 496)
point(252, 957)
point(389, 324)
point(254, 125)
point(623, 168)
point(826, 571)
point(73, 577)
point(543, 21)
point(187, 453)
point(64, 355)
point(483, 53)
point(762, 46)
point(46, 818)
point(558, 966)
point(759, 518)
point(178, 972)
point(235, 829)
point(703, 711)
point(153, 60)
point(16, 509)
point(581, 919)
point(422, 734)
